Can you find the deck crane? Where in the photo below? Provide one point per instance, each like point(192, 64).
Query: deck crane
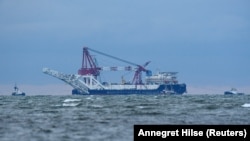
point(89, 66)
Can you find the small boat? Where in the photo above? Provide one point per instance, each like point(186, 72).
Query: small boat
point(17, 92)
point(233, 91)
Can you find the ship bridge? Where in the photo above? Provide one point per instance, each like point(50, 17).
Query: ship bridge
point(162, 78)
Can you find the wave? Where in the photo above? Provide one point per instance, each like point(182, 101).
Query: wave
point(71, 100)
point(97, 106)
point(70, 104)
point(246, 105)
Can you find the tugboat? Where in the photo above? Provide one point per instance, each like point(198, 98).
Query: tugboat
point(233, 91)
point(17, 92)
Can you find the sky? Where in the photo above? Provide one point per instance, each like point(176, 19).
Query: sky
point(207, 42)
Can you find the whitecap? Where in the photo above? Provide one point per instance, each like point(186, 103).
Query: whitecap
point(72, 100)
point(96, 106)
point(140, 107)
point(70, 104)
point(57, 105)
point(246, 105)
point(90, 98)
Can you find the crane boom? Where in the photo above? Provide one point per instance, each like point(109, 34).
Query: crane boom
point(116, 58)
point(89, 66)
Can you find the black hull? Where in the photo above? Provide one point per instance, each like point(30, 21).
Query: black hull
point(162, 89)
point(230, 93)
point(14, 94)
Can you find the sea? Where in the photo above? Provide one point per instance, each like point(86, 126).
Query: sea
point(112, 117)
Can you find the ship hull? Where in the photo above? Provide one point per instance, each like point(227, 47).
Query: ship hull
point(162, 89)
point(232, 93)
point(18, 94)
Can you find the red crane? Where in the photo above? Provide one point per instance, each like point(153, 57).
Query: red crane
point(138, 73)
point(89, 66)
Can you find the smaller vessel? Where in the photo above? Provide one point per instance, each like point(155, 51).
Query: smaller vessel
point(17, 92)
point(233, 91)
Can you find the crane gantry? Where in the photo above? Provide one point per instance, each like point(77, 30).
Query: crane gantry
point(90, 67)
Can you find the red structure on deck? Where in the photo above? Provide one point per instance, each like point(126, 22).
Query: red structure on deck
point(89, 66)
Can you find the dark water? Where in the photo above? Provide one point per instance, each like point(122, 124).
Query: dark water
point(80, 118)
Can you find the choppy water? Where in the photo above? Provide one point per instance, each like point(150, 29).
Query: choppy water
point(63, 118)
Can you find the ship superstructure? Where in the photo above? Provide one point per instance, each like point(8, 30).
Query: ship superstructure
point(17, 92)
point(87, 80)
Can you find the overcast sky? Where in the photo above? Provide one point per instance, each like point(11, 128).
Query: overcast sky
point(206, 41)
